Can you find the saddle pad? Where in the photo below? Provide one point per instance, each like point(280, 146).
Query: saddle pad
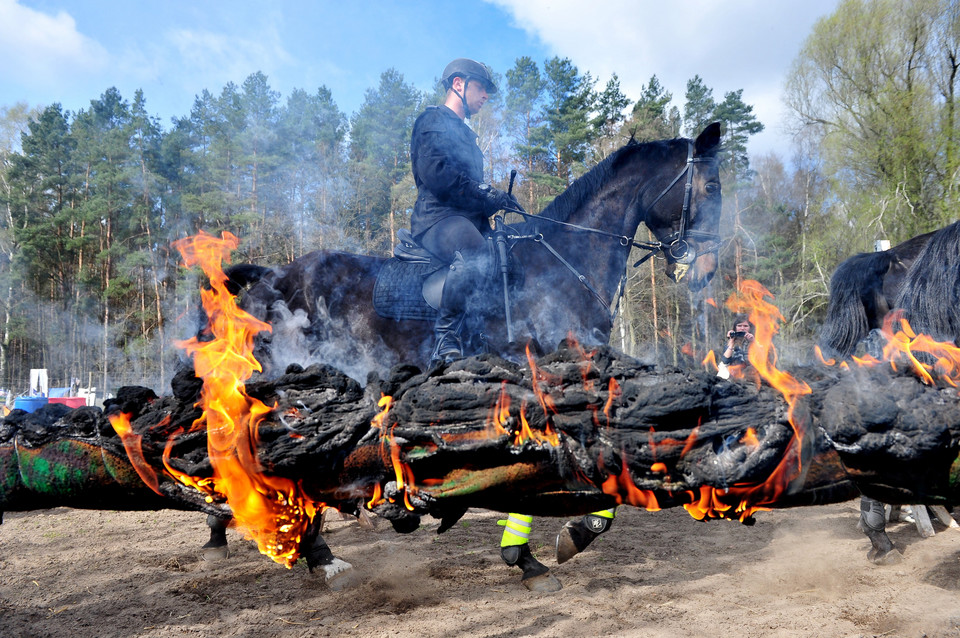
point(398, 292)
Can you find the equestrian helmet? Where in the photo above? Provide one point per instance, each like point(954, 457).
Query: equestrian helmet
point(469, 70)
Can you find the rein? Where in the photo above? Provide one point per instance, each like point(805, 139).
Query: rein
point(675, 247)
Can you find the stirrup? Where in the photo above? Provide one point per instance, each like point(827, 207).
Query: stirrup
point(449, 348)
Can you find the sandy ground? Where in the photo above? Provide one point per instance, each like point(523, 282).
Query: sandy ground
point(799, 572)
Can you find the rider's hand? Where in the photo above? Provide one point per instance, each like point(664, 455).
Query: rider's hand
point(497, 199)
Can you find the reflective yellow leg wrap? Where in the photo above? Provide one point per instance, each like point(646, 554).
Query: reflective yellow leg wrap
point(610, 513)
point(516, 529)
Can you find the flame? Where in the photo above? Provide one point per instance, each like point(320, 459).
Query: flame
point(133, 444)
point(711, 302)
point(935, 362)
point(710, 362)
point(823, 360)
point(613, 393)
point(389, 448)
point(586, 362)
point(711, 502)
point(549, 435)
point(624, 490)
point(271, 510)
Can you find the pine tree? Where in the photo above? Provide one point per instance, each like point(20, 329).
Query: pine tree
point(699, 106)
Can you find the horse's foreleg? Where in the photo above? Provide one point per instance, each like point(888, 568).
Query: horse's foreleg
point(874, 525)
point(338, 574)
point(577, 535)
point(515, 550)
point(216, 548)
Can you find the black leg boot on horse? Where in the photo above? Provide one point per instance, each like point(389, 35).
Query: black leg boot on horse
point(873, 523)
point(337, 573)
point(576, 536)
point(216, 548)
point(515, 550)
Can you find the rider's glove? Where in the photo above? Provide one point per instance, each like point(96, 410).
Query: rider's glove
point(497, 199)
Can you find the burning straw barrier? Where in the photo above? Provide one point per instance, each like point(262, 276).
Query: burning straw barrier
point(573, 432)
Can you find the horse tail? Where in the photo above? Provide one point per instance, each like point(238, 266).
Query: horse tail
point(931, 292)
point(857, 304)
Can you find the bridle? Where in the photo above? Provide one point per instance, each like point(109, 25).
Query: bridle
point(675, 248)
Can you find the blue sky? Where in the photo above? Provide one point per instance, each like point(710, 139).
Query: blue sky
point(71, 51)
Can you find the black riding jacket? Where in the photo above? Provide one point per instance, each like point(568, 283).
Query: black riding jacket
point(448, 170)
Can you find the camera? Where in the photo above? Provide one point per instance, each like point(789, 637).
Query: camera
point(738, 335)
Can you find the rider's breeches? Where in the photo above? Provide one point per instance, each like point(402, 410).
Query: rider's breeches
point(445, 240)
point(517, 527)
point(452, 235)
point(872, 515)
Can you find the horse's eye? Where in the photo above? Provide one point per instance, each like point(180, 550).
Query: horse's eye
point(712, 188)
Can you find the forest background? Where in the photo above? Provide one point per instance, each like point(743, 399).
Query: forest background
point(91, 289)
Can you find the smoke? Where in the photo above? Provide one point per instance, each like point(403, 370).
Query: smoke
point(296, 339)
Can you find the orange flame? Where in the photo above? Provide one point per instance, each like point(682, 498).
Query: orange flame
point(710, 362)
point(613, 393)
point(271, 510)
point(933, 361)
point(389, 448)
point(549, 435)
point(624, 490)
point(133, 444)
point(752, 298)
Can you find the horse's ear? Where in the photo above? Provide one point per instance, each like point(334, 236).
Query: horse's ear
point(709, 140)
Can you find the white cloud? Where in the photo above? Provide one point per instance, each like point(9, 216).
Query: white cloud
point(731, 44)
point(210, 59)
point(41, 50)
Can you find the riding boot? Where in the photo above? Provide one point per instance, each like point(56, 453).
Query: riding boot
point(449, 322)
point(446, 332)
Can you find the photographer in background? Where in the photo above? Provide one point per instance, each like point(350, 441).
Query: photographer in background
point(738, 346)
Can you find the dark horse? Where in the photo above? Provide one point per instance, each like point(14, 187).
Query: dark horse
point(921, 276)
point(930, 294)
point(571, 260)
point(863, 289)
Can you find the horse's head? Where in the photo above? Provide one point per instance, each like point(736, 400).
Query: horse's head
point(684, 213)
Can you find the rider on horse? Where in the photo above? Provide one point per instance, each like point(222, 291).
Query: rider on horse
point(453, 204)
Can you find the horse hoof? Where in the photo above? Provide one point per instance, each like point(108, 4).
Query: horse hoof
point(542, 584)
point(213, 554)
point(573, 538)
point(340, 575)
point(889, 557)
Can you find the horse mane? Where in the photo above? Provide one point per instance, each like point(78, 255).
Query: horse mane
point(587, 185)
point(930, 294)
point(856, 297)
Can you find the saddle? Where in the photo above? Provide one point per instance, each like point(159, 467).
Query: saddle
point(410, 283)
point(407, 280)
